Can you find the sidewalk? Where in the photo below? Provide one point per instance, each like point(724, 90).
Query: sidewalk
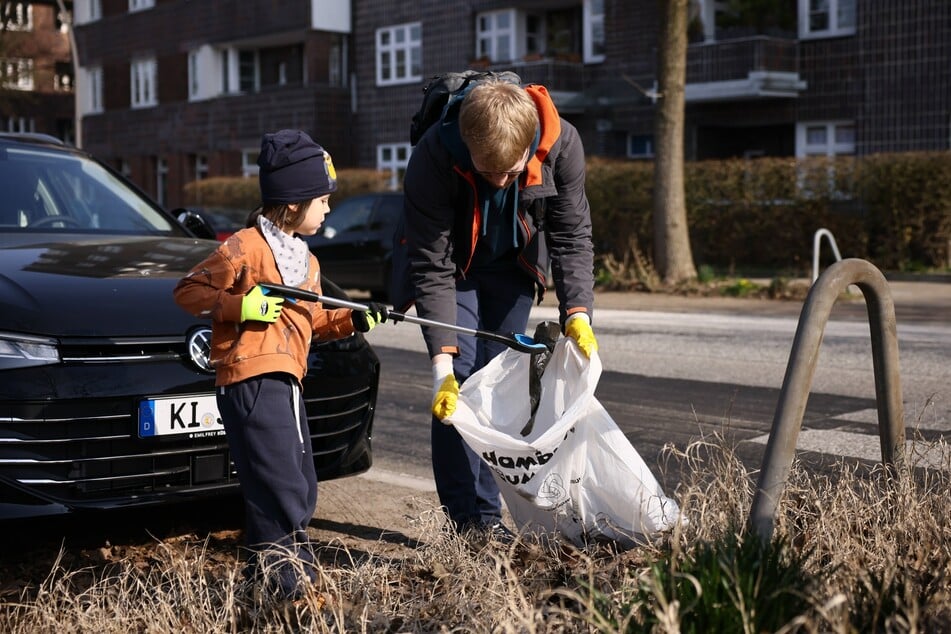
point(915, 302)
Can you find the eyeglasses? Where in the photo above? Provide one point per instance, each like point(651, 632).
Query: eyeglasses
point(511, 174)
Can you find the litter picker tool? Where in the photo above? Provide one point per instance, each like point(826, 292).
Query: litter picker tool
point(516, 341)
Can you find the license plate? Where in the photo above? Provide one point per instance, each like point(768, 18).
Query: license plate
point(194, 416)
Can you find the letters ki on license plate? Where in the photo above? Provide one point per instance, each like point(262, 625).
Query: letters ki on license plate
point(194, 416)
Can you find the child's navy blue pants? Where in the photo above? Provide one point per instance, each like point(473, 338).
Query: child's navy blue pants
point(498, 301)
point(267, 431)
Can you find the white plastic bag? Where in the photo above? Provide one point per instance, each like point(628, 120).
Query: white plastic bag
point(575, 473)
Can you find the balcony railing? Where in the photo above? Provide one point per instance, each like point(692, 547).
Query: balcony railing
point(557, 75)
point(736, 59)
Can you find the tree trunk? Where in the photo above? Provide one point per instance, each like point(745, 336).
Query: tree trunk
point(672, 253)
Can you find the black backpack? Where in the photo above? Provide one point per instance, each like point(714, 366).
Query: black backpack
point(436, 95)
point(437, 92)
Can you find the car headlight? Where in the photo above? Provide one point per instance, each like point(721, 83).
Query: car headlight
point(23, 351)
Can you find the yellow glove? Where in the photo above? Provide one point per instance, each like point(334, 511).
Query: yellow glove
point(256, 306)
point(578, 327)
point(445, 390)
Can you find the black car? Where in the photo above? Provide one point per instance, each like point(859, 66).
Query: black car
point(106, 395)
point(355, 242)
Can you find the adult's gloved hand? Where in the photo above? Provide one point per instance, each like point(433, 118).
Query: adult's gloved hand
point(578, 327)
point(256, 306)
point(365, 321)
point(445, 390)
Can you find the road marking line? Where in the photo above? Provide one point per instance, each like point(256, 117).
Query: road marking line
point(866, 447)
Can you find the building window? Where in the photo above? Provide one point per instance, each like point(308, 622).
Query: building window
point(249, 162)
point(63, 77)
point(17, 16)
point(90, 90)
point(495, 35)
point(337, 63)
point(825, 138)
point(194, 86)
point(140, 5)
point(826, 18)
point(393, 158)
point(143, 74)
point(21, 124)
point(593, 31)
point(640, 146)
point(17, 74)
point(249, 80)
point(201, 167)
point(87, 11)
point(399, 54)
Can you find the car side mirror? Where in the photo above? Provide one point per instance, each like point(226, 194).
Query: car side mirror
point(195, 223)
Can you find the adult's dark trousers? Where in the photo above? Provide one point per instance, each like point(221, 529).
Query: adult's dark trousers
point(498, 301)
point(266, 426)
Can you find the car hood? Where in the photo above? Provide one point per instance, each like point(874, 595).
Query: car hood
point(95, 287)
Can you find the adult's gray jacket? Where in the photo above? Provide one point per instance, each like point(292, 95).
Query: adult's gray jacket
point(443, 216)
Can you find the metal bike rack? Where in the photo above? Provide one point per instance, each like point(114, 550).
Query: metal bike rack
point(781, 446)
point(816, 244)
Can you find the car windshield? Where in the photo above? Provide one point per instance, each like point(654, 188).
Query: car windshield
point(62, 192)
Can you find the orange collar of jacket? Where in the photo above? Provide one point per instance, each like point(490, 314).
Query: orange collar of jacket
point(550, 124)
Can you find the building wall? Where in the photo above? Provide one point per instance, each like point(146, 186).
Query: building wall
point(891, 78)
point(49, 107)
point(176, 130)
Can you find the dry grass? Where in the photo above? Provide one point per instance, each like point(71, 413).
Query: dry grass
point(858, 550)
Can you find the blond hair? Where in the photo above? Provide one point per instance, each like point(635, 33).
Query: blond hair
point(498, 121)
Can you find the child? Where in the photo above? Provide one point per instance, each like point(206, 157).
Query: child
point(259, 351)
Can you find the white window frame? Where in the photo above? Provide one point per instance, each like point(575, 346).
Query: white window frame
point(593, 24)
point(143, 76)
point(194, 75)
point(831, 147)
point(140, 5)
point(393, 158)
point(402, 53)
point(85, 11)
point(201, 167)
point(491, 37)
point(22, 17)
point(21, 124)
point(89, 90)
point(833, 8)
point(18, 73)
point(249, 162)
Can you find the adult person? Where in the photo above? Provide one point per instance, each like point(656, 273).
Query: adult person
point(493, 192)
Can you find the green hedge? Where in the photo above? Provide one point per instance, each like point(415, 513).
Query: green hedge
point(894, 210)
point(891, 209)
point(244, 193)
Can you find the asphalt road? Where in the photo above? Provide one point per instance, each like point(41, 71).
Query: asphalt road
point(676, 374)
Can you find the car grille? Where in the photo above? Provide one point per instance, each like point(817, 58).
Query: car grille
point(87, 452)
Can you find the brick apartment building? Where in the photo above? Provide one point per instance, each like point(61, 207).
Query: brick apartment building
point(36, 73)
point(173, 90)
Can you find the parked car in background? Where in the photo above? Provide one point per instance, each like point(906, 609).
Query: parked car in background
point(355, 243)
point(106, 394)
point(224, 220)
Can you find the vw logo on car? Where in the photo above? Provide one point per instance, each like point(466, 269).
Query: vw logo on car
point(198, 344)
